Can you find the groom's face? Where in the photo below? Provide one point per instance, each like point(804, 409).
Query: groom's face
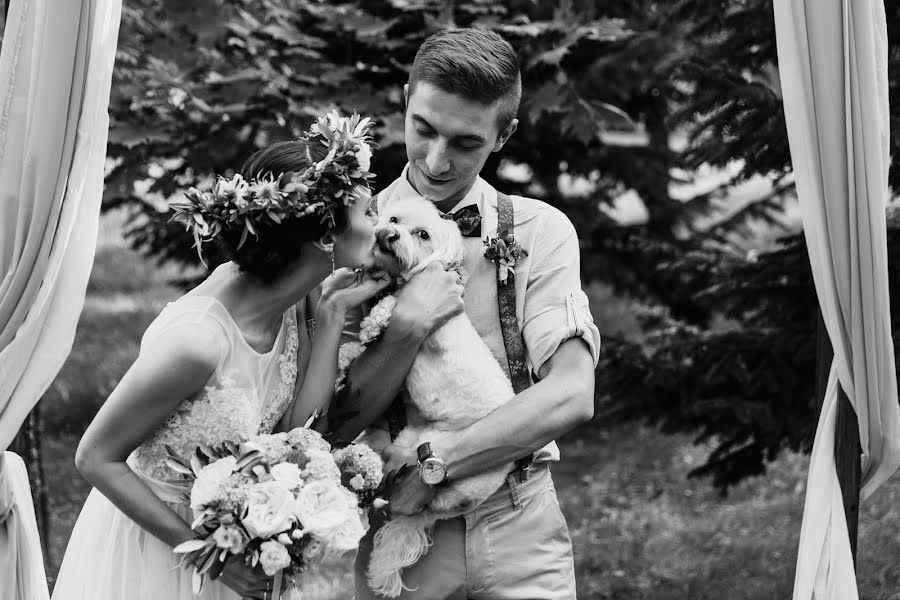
point(448, 140)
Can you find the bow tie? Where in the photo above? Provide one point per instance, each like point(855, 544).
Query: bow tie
point(469, 220)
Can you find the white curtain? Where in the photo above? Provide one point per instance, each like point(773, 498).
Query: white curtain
point(832, 58)
point(22, 574)
point(55, 73)
point(56, 68)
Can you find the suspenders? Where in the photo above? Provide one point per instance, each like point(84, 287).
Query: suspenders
point(509, 325)
point(512, 338)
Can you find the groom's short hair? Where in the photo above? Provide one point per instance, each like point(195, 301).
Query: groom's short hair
point(477, 64)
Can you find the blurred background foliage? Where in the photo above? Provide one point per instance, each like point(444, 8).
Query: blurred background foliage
point(656, 126)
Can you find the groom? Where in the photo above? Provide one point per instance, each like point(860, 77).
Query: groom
point(461, 101)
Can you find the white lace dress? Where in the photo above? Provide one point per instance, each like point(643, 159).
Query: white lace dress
point(109, 556)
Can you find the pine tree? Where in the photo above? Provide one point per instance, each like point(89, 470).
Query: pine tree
point(727, 349)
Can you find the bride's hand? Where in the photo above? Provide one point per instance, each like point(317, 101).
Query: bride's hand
point(246, 581)
point(347, 289)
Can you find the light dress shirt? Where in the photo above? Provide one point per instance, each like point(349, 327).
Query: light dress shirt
point(551, 307)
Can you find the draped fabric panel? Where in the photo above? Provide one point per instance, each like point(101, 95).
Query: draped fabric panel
point(832, 58)
point(55, 73)
point(22, 574)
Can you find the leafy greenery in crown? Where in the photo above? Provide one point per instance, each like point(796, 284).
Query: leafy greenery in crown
point(250, 206)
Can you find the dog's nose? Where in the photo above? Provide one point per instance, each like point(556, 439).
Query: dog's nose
point(386, 236)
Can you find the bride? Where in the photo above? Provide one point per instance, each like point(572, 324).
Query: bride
point(221, 363)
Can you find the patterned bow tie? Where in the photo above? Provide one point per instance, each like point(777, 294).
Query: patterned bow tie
point(469, 220)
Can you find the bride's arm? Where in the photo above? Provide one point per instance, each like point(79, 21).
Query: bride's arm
point(163, 376)
point(340, 293)
point(318, 383)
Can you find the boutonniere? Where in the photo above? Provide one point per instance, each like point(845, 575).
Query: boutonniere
point(504, 251)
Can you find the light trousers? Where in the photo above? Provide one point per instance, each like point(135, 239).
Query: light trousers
point(514, 546)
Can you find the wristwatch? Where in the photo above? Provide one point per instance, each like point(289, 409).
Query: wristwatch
point(432, 470)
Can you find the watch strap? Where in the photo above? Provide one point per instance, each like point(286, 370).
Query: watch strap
point(423, 451)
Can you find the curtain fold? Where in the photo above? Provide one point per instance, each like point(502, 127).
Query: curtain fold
point(55, 74)
point(832, 58)
point(56, 69)
point(21, 562)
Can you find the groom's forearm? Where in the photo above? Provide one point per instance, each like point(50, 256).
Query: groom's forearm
point(562, 400)
point(374, 380)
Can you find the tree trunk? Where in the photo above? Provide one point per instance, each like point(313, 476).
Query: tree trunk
point(27, 444)
point(847, 449)
point(654, 189)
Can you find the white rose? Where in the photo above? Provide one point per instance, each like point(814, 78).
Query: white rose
point(287, 474)
point(208, 485)
point(364, 156)
point(321, 507)
point(273, 557)
point(347, 536)
point(269, 509)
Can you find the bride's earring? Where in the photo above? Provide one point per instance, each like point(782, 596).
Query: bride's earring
point(326, 244)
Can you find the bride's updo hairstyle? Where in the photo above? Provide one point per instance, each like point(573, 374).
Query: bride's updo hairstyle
point(278, 245)
point(286, 195)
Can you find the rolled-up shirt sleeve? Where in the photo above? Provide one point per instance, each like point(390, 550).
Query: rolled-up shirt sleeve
point(556, 308)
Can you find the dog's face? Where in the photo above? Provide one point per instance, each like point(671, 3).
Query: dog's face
point(411, 232)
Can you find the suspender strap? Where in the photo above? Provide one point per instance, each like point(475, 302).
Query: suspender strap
point(509, 324)
point(506, 300)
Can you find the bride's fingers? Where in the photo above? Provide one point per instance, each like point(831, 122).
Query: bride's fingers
point(374, 286)
point(380, 275)
point(344, 276)
point(342, 279)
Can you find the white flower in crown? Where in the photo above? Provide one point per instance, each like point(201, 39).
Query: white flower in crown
point(364, 156)
point(267, 191)
point(235, 189)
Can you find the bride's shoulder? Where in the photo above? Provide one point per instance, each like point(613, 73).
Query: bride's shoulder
point(193, 324)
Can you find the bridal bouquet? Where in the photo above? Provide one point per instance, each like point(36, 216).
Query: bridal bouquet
point(280, 500)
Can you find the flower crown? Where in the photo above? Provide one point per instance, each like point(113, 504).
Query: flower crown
point(250, 206)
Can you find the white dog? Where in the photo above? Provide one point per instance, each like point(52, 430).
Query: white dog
point(453, 382)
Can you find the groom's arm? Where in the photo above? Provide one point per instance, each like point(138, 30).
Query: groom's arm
point(559, 402)
point(425, 303)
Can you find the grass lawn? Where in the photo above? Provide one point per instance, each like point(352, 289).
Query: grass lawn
point(641, 530)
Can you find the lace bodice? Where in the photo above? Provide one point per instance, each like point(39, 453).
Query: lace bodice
point(247, 394)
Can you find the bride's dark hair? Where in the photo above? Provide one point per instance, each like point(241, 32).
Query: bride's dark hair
point(266, 256)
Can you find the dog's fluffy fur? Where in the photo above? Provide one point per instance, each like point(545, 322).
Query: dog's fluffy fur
point(453, 382)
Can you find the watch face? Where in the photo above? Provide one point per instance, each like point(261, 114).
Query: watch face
point(433, 471)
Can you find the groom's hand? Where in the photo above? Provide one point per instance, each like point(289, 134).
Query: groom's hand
point(408, 495)
point(428, 300)
point(396, 457)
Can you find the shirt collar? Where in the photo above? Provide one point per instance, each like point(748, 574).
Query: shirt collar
point(479, 194)
point(482, 194)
